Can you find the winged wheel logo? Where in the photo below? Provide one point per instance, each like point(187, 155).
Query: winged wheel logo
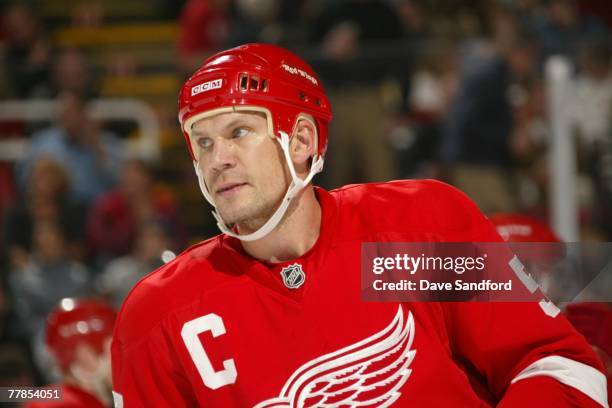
point(365, 374)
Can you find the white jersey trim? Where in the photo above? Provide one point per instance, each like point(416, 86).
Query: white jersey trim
point(118, 399)
point(584, 378)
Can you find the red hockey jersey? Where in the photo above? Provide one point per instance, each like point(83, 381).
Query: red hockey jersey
point(217, 328)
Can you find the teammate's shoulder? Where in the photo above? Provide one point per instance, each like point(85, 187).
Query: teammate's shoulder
point(179, 282)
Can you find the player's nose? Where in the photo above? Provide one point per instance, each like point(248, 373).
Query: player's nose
point(223, 154)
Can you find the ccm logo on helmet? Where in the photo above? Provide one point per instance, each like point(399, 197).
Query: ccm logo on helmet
point(206, 86)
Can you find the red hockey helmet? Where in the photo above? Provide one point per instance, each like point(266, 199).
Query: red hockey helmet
point(256, 77)
point(522, 228)
point(74, 321)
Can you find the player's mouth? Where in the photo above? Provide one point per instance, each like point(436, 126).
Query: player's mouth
point(229, 188)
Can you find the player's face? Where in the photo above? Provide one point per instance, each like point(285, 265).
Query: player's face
point(242, 165)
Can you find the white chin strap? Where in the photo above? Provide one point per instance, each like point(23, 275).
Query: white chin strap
point(297, 184)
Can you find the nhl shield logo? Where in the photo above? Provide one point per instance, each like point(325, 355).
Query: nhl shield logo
point(293, 276)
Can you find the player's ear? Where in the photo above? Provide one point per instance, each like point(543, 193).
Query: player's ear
point(303, 143)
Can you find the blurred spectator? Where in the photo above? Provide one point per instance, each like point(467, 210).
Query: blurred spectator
point(502, 23)
point(28, 54)
point(359, 149)
point(601, 171)
point(121, 274)
point(529, 146)
point(78, 334)
point(355, 65)
point(415, 135)
point(114, 220)
point(592, 102)
point(345, 25)
point(476, 137)
point(561, 28)
point(204, 28)
point(45, 200)
point(44, 277)
point(591, 106)
point(256, 21)
point(592, 110)
point(91, 156)
point(88, 14)
point(69, 72)
point(412, 16)
point(72, 74)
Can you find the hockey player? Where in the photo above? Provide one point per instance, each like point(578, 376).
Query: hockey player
point(269, 314)
point(78, 335)
point(592, 319)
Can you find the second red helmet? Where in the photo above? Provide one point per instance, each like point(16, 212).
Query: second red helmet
point(76, 321)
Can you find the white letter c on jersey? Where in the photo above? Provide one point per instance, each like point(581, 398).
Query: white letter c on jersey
point(212, 379)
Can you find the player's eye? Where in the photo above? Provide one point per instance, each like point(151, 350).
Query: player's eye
point(204, 142)
point(240, 132)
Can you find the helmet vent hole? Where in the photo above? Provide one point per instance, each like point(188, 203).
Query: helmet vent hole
point(244, 82)
point(254, 83)
point(264, 85)
point(318, 102)
point(303, 96)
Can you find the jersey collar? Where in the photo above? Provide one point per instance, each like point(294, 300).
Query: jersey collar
point(268, 273)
